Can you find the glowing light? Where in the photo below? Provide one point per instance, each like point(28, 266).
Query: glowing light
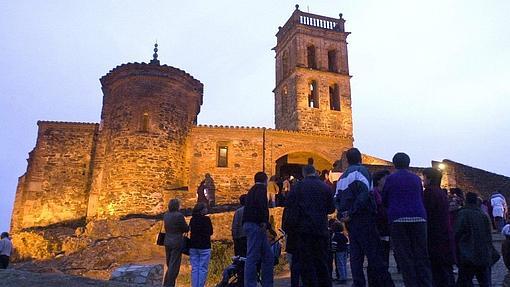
point(441, 166)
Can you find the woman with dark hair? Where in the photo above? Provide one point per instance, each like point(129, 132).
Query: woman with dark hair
point(175, 227)
point(200, 245)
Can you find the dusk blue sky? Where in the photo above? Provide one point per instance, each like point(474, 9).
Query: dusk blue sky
point(430, 78)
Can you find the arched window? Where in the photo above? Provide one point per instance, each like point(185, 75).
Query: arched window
point(334, 97)
point(332, 61)
point(285, 63)
point(145, 122)
point(313, 96)
point(312, 61)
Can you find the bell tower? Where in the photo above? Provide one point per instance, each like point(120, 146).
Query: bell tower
point(312, 92)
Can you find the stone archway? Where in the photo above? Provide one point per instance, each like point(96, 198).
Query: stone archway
point(292, 163)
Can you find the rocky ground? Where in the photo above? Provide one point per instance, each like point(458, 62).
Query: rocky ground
point(53, 277)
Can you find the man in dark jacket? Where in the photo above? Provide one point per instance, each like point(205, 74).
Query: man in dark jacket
point(309, 203)
point(357, 207)
point(439, 231)
point(255, 224)
point(403, 197)
point(474, 244)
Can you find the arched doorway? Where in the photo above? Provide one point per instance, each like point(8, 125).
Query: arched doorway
point(292, 164)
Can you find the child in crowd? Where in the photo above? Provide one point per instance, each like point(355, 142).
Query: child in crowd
point(339, 248)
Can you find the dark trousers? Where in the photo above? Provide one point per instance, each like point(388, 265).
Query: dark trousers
point(410, 246)
point(4, 261)
point(240, 246)
point(313, 254)
point(442, 273)
point(295, 273)
point(467, 272)
point(364, 241)
point(173, 262)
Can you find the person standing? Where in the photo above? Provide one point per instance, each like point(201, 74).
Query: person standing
point(499, 210)
point(382, 216)
point(403, 197)
point(5, 250)
point(206, 191)
point(272, 190)
point(339, 247)
point(439, 231)
point(308, 205)
point(255, 225)
point(357, 207)
point(200, 245)
point(175, 227)
point(238, 234)
point(474, 244)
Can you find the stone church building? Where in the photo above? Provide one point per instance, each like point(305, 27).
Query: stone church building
point(148, 148)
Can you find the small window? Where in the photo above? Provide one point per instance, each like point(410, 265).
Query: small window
point(332, 61)
point(312, 62)
point(145, 122)
point(313, 96)
point(222, 156)
point(285, 63)
point(334, 98)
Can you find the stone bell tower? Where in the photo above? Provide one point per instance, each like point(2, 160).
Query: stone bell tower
point(312, 92)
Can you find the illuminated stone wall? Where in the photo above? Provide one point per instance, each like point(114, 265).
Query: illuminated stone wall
point(148, 110)
point(55, 186)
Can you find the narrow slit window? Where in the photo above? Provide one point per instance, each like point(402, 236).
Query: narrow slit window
point(285, 63)
point(334, 97)
point(312, 61)
point(222, 156)
point(145, 122)
point(313, 96)
point(332, 61)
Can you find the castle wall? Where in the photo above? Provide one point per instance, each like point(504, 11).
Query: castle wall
point(471, 179)
point(249, 150)
point(55, 186)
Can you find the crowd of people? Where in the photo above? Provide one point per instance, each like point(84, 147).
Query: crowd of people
point(429, 229)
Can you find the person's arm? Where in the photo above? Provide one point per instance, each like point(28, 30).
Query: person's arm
point(209, 226)
point(235, 224)
point(183, 226)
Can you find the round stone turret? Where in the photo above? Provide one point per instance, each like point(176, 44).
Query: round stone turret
point(148, 111)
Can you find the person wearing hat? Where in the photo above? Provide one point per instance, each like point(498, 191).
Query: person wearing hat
point(306, 221)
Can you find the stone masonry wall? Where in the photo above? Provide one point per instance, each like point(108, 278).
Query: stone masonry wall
point(55, 186)
point(249, 150)
point(148, 111)
point(476, 180)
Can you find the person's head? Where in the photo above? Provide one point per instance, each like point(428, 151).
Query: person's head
point(309, 170)
point(242, 199)
point(432, 177)
point(401, 160)
point(260, 178)
point(324, 174)
point(337, 166)
point(200, 208)
point(379, 178)
point(471, 198)
point(207, 175)
point(457, 191)
point(310, 160)
point(174, 205)
point(4, 235)
point(273, 178)
point(338, 226)
point(353, 156)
